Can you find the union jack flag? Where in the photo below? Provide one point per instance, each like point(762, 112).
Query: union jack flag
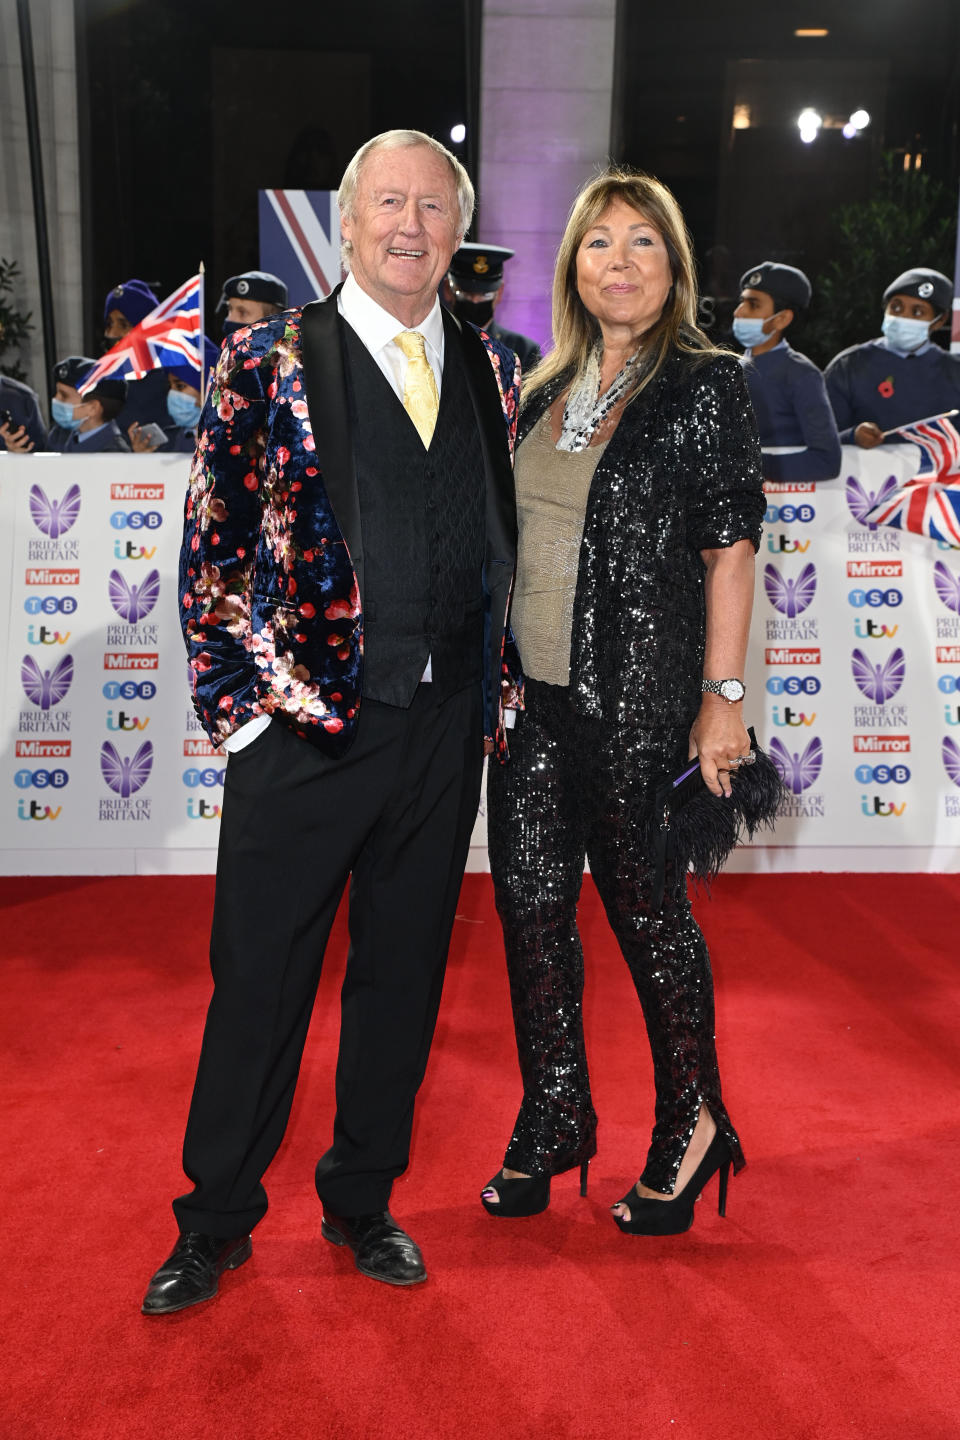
point(929, 503)
point(167, 336)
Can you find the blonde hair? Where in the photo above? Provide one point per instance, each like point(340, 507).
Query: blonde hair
point(575, 330)
point(404, 140)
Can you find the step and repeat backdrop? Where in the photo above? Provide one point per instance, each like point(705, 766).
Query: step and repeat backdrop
point(853, 679)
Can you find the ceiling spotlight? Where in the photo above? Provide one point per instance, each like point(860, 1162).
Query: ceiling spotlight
point(811, 34)
point(458, 134)
point(809, 123)
point(859, 119)
point(849, 130)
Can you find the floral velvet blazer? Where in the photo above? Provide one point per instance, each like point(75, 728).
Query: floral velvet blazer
point(271, 603)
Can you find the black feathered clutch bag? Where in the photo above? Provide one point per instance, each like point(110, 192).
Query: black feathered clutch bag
point(697, 829)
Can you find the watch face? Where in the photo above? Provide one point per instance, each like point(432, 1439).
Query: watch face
point(732, 690)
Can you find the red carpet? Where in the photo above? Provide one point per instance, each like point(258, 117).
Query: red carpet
point(825, 1306)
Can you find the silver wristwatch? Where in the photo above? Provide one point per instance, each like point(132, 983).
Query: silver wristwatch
point(729, 690)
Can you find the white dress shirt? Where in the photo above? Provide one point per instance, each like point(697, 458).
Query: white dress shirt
point(376, 329)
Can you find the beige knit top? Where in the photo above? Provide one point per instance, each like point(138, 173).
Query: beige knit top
point(552, 487)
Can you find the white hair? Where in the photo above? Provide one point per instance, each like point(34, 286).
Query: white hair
point(403, 140)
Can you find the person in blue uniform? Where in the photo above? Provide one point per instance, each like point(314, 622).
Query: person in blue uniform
point(125, 306)
point(254, 295)
point(902, 376)
point(183, 404)
point(21, 424)
point(797, 430)
point(86, 424)
point(473, 289)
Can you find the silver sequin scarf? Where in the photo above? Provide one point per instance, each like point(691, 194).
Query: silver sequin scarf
point(586, 409)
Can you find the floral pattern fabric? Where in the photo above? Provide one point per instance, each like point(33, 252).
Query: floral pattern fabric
point(269, 602)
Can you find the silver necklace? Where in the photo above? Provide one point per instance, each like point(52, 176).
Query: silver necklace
point(586, 409)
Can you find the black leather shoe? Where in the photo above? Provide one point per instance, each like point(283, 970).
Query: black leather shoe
point(192, 1272)
point(381, 1249)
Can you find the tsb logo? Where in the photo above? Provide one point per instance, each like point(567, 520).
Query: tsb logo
point(129, 690)
point(882, 774)
point(136, 519)
point(208, 777)
point(948, 683)
point(50, 604)
point(800, 514)
point(875, 598)
point(793, 685)
point(41, 779)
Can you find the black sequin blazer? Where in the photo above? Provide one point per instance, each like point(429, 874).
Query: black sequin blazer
point(681, 474)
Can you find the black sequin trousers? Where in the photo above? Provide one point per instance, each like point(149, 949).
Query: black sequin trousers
point(577, 786)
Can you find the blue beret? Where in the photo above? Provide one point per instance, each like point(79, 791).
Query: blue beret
point(789, 287)
point(134, 299)
point(923, 284)
point(254, 285)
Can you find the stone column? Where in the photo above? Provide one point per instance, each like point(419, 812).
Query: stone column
point(545, 104)
point(54, 47)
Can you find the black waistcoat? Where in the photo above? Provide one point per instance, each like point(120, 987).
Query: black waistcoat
point(422, 517)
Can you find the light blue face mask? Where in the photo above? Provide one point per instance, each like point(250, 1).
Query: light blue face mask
point(905, 334)
point(750, 333)
point(183, 409)
point(64, 415)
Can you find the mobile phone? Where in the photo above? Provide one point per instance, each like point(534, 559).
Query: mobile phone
point(6, 418)
point(152, 432)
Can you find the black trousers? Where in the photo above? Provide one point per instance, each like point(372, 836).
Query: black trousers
point(394, 816)
point(577, 787)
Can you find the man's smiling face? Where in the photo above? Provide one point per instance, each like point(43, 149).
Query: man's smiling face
point(404, 227)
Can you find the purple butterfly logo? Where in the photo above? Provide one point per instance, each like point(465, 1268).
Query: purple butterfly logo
point(133, 602)
point(861, 501)
point(950, 753)
point(790, 597)
point(797, 771)
point(948, 587)
point(46, 687)
point(879, 682)
point(54, 517)
point(126, 774)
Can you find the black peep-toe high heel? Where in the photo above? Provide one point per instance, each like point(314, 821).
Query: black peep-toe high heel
point(674, 1216)
point(523, 1197)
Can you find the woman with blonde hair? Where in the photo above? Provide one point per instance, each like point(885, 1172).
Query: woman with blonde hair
point(640, 505)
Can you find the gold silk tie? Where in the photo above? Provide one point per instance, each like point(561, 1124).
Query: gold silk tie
point(420, 399)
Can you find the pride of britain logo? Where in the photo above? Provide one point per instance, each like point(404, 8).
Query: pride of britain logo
point(46, 688)
point(126, 774)
point(861, 501)
point(797, 769)
point(790, 597)
point(879, 683)
point(133, 602)
point(54, 518)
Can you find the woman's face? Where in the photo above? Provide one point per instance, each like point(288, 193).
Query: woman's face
point(623, 270)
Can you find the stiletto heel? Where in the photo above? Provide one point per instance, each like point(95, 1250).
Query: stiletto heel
point(724, 1177)
point(674, 1216)
point(584, 1168)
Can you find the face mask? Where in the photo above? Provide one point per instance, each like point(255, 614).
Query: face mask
point(231, 326)
point(183, 409)
point(65, 415)
point(478, 312)
point(905, 334)
point(750, 333)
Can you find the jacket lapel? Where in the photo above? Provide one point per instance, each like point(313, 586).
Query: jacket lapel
point(325, 383)
point(482, 384)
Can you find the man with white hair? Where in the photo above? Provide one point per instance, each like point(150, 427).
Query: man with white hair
point(345, 576)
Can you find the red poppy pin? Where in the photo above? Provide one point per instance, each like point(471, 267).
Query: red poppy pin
point(886, 387)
